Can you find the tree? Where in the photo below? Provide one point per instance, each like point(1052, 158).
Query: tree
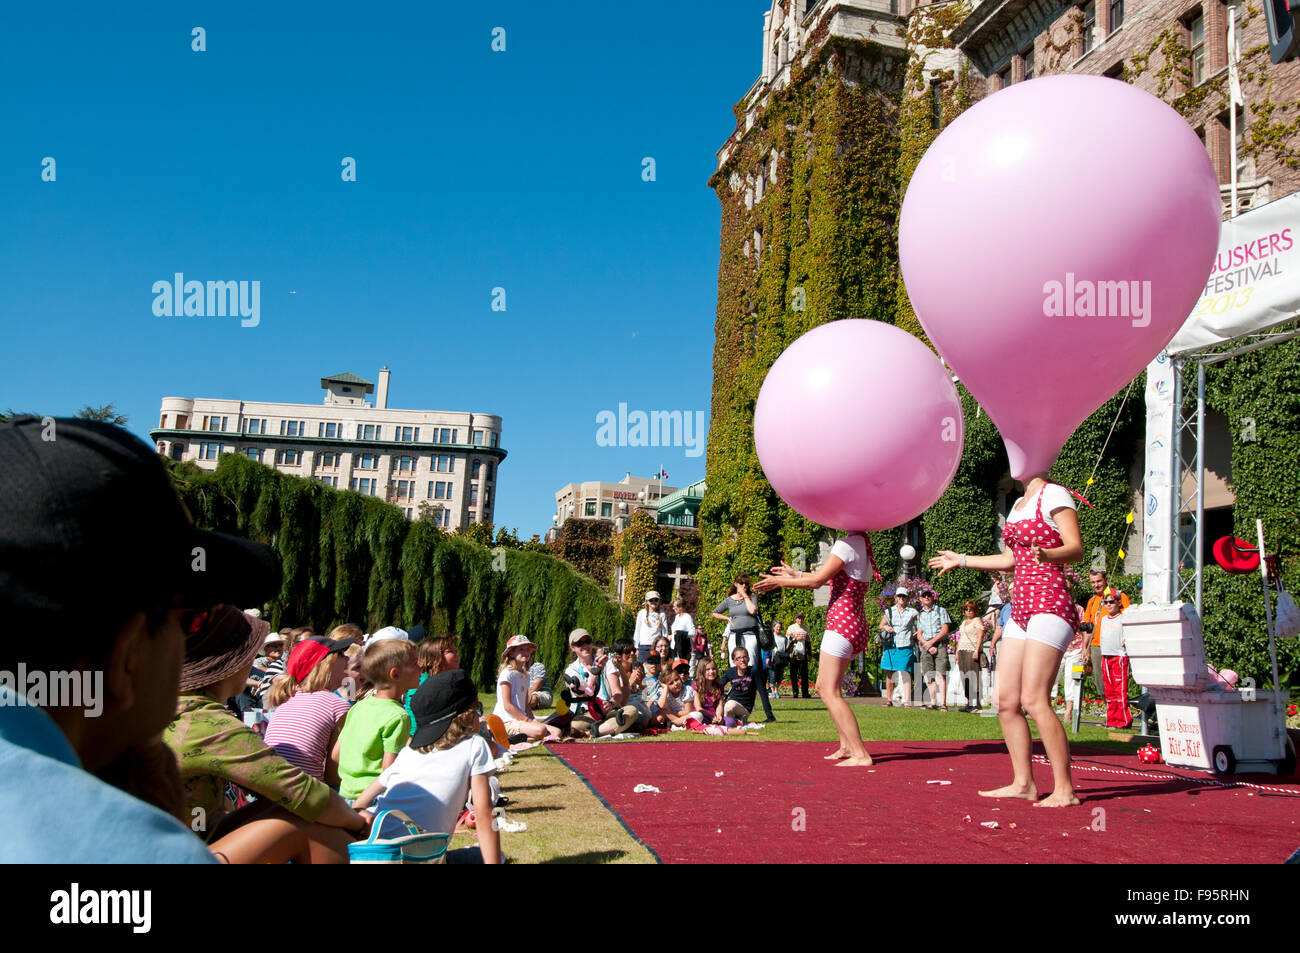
point(107, 413)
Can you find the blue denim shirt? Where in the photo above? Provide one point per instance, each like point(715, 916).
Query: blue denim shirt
point(57, 813)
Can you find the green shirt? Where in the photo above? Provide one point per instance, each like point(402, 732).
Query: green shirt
point(375, 727)
point(212, 747)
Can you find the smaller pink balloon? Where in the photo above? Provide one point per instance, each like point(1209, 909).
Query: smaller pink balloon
point(858, 426)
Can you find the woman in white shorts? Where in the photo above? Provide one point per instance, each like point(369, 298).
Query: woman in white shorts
point(1042, 534)
point(846, 634)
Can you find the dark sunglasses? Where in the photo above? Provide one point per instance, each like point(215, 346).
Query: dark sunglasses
point(581, 642)
point(1110, 602)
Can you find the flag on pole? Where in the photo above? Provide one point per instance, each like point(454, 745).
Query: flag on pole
point(1234, 57)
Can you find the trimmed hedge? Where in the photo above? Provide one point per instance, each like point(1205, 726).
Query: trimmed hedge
point(353, 558)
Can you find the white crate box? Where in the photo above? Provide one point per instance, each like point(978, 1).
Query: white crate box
point(1164, 645)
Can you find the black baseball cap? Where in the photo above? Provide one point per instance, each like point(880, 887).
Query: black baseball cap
point(438, 701)
point(89, 518)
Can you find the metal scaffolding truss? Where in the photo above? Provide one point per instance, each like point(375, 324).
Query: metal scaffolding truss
point(1189, 456)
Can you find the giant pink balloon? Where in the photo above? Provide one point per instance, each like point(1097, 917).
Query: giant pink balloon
point(1052, 240)
point(858, 426)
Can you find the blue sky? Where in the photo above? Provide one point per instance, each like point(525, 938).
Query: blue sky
point(475, 169)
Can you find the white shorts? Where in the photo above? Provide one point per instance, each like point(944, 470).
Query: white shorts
point(835, 644)
point(1048, 629)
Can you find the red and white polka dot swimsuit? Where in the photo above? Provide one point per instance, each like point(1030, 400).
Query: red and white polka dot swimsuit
point(845, 615)
point(1040, 588)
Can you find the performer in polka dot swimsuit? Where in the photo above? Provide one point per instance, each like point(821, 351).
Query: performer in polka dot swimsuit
point(1041, 535)
point(846, 635)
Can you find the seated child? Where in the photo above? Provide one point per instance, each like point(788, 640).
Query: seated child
point(376, 728)
point(741, 686)
point(677, 700)
point(512, 693)
point(446, 763)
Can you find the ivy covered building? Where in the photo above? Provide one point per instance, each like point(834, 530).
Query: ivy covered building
point(850, 93)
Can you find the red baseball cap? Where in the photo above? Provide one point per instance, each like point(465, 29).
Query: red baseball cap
point(307, 653)
point(1236, 555)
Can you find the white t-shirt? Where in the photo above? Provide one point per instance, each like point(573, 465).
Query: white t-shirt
point(853, 550)
point(682, 622)
point(649, 625)
point(1054, 498)
point(517, 683)
point(1112, 636)
point(791, 632)
point(431, 789)
point(675, 705)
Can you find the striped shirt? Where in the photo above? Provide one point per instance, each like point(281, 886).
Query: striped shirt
point(300, 729)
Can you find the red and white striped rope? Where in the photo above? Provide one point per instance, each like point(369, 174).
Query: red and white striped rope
point(1161, 776)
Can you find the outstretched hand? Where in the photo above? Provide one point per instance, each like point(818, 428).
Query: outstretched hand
point(768, 583)
point(944, 561)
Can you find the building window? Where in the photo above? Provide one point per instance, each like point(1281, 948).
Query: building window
point(478, 438)
point(473, 517)
point(444, 435)
point(407, 434)
point(474, 469)
point(473, 494)
point(488, 470)
point(607, 510)
point(1116, 15)
point(293, 428)
point(487, 496)
point(1196, 43)
point(403, 489)
point(292, 458)
point(443, 464)
point(329, 481)
point(1088, 26)
point(1004, 78)
point(368, 461)
point(438, 490)
point(1116, 71)
point(333, 431)
point(217, 423)
point(405, 464)
point(254, 425)
point(1027, 64)
point(209, 451)
point(363, 485)
point(253, 453)
point(589, 508)
point(327, 458)
point(370, 432)
point(493, 441)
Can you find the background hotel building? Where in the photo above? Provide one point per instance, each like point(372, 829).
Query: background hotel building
point(420, 460)
point(612, 502)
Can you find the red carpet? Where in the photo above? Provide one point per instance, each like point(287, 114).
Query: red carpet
point(1131, 813)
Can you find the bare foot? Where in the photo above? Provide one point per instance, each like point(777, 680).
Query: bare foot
point(851, 762)
point(1027, 792)
point(1058, 798)
point(841, 753)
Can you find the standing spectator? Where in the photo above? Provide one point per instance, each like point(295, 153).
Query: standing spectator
point(683, 628)
point(1074, 656)
point(1094, 612)
point(699, 649)
point(800, 649)
point(780, 659)
point(96, 555)
point(539, 688)
point(1114, 661)
point(847, 569)
point(741, 611)
point(970, 641)
point(650, 624)
point(934, 623)
point(900, 622)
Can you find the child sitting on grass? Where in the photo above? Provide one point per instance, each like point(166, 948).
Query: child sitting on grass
point(512, 693)
point(446, 763)
point(677, 700)
point(709, 696)
point(742, 686)
point(376, 728)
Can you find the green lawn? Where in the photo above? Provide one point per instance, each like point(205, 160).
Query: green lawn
point(799, 720)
